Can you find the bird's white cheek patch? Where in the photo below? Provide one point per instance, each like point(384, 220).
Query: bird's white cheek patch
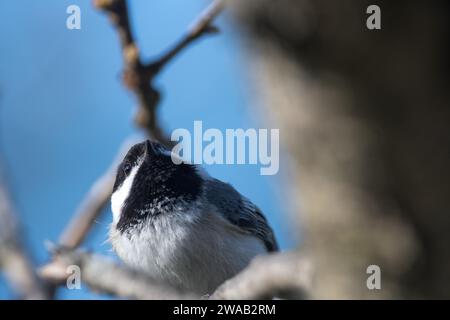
point(121, 194)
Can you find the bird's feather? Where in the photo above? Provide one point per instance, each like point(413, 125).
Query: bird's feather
point(239, 211)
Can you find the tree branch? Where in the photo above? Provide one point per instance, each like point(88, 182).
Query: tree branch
point(202, 26)
point(105, 276)
point(13, 259)
point(93, 204)
point(284, 275)
point(138, 76)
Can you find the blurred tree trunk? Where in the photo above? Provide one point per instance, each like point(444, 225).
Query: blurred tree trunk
point(365, 116)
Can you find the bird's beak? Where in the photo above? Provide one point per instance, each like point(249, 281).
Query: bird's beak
point(148, 147)
point(151, 148)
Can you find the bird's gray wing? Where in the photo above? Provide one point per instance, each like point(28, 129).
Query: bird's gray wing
point(240, 211)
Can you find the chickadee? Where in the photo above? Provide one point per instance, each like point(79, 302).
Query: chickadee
point(181, 226)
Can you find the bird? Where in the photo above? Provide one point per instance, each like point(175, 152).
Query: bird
point(179, 225)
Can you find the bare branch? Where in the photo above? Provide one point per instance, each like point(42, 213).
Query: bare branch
point(138, 76)
point(93, 204)
point(13, 259)
point(284, 275)
point(105, 276)
point(202, 26)
point(287, 275)
point(134, 76)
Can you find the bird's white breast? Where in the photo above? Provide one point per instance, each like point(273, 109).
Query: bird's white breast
point(192, 250)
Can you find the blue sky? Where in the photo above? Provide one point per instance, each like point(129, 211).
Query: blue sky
point(64, 111)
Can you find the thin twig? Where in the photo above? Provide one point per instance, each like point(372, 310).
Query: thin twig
point(138, 76)
point(13, 258)
point(93, 204)
point(201, 26)
point(134, 76)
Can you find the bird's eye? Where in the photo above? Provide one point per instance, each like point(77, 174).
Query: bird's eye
point(127, 168)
